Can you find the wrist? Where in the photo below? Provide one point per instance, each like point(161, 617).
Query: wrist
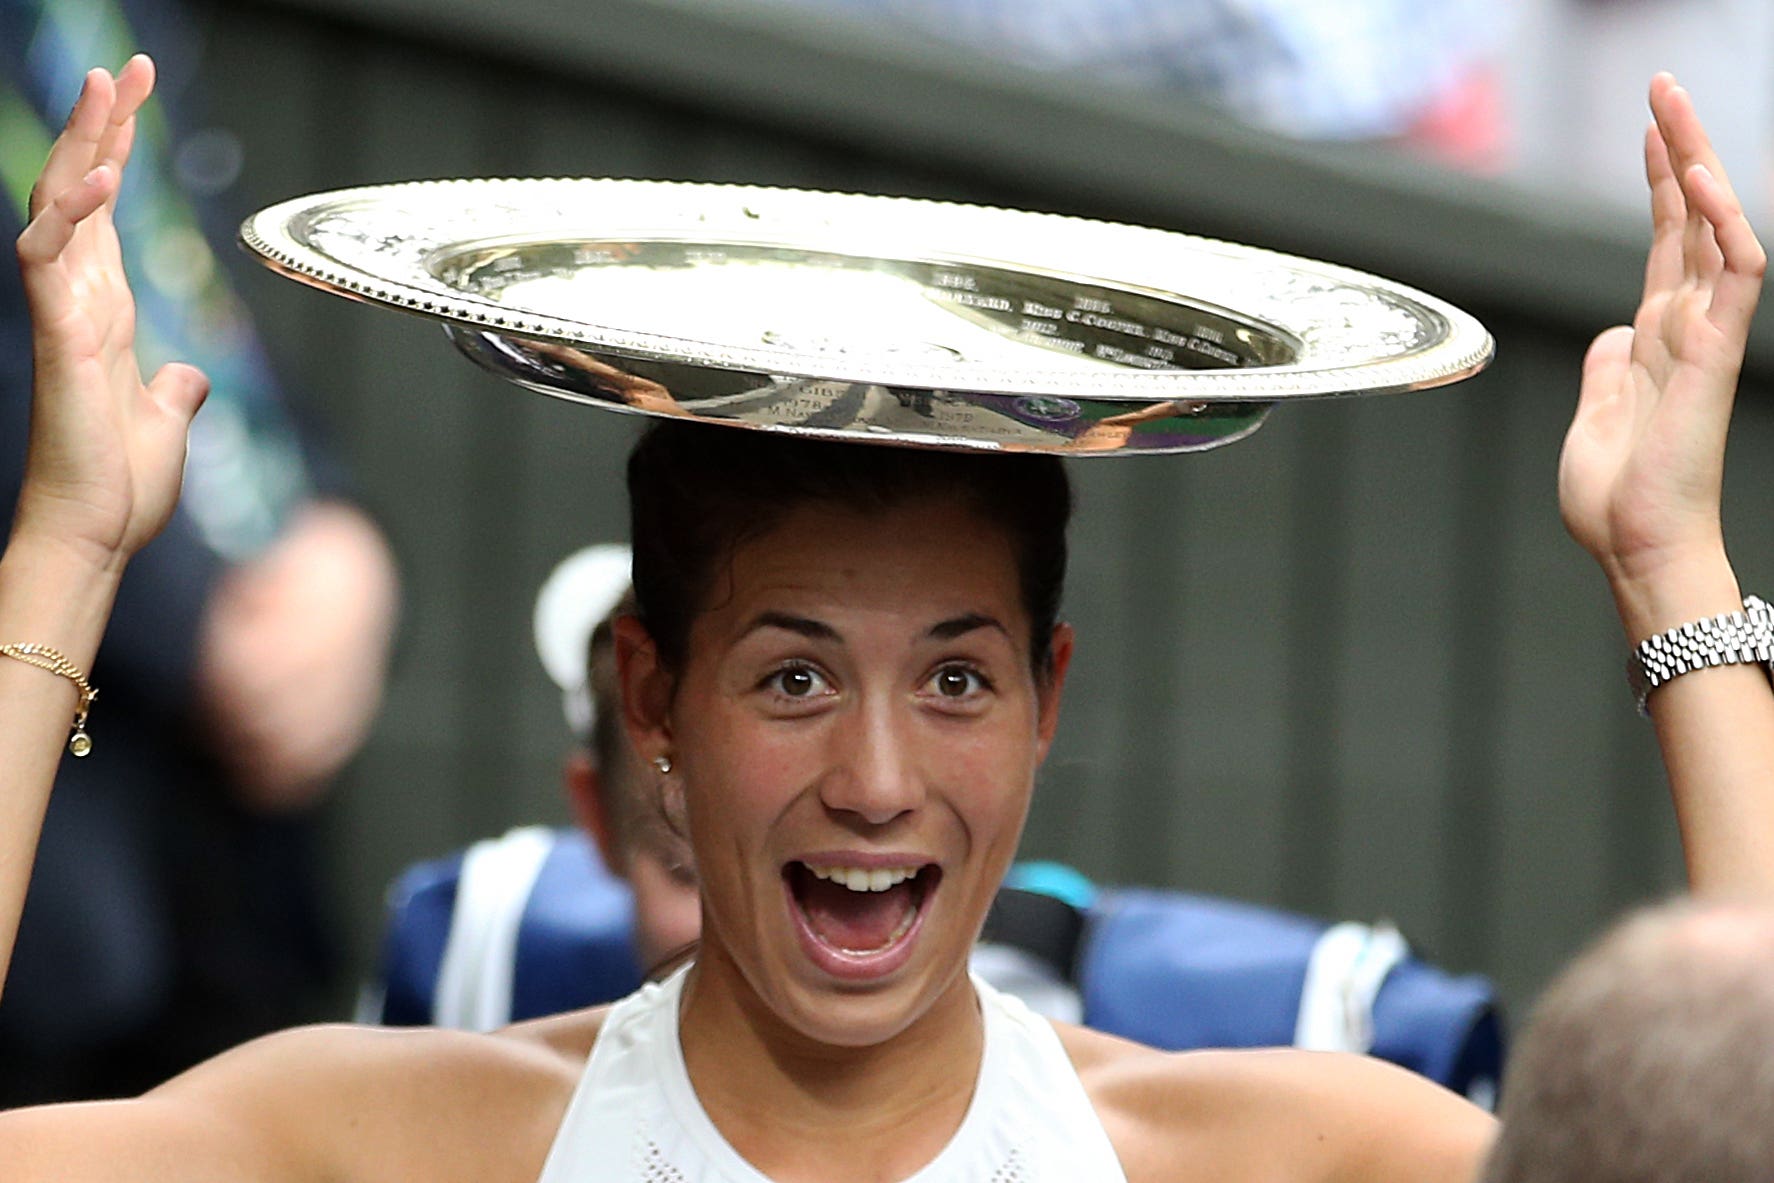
point(37, 528)
point(1697, 585)
point(72, 562)
point(55, 594)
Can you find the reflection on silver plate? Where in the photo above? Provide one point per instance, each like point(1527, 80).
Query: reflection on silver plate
point(878, 318)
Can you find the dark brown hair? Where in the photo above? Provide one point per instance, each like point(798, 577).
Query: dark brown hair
point(698, 492)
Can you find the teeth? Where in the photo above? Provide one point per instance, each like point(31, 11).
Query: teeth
point(865, 878)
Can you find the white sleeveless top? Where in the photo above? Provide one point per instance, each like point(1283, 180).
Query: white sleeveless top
point(635, 1118)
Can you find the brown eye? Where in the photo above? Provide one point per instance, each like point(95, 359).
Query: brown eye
point(956, 681)
point(797, 681)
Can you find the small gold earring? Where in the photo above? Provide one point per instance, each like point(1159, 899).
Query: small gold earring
point(662, 763)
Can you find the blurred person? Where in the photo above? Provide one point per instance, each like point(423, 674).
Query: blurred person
point(1423, 73)
point(1651, 1059)
point(638, 832)
point(175, 902)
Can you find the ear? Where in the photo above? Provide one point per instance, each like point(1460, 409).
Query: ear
point(646, 690)
point(585, 796)
point(1050, 689)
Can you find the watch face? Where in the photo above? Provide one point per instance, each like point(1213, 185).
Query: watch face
point(866, 317)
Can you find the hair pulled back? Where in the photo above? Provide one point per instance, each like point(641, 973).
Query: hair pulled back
point(697, 493)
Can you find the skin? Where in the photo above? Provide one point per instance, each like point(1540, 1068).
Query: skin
point(1640, 480)
point(649, 855)
point(855, 689)
point(809, 1076)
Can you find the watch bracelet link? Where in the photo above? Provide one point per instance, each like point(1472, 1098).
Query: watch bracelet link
point(1730, 638)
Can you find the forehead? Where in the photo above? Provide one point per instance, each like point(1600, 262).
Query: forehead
point(919, 562)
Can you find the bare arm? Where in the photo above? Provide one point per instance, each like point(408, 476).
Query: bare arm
point(106, 453)
point(102, 476)
point(333, 1104)
point(1639, 485)
point(1276, 1116)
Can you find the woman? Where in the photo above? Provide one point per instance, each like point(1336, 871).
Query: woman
point(851, 693)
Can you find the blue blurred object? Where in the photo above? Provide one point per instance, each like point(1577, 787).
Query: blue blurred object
point(532, 924)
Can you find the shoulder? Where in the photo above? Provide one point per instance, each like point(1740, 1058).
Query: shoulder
point(370, 1103)
point(1274, 1114)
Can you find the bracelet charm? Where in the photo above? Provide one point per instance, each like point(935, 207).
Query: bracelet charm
point(52, 661)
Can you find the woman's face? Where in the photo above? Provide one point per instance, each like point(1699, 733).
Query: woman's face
point(857, 729)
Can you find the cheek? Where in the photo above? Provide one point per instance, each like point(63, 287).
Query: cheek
point(990, 778)
point(743, 772)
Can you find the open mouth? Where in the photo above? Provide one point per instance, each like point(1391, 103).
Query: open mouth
point(860, 913)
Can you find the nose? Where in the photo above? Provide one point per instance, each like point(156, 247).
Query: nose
point(873, 774)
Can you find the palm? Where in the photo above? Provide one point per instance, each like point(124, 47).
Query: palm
point(1640, 476)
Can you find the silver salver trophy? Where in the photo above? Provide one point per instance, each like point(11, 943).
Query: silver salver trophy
point(856, 317)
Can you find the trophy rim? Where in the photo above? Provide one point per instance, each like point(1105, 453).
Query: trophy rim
point(1344, 332)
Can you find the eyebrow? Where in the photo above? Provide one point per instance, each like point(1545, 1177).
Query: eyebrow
point(818, 630)
point(806, 626)
point(960, 626)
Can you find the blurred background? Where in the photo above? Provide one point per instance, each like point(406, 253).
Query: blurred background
point(1351, 666)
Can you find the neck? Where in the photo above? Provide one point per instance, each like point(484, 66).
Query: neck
point(797, 1108)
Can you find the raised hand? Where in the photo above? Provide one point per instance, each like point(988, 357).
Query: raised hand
point(106, 451)
point(1639, 480)
point(1639, 485)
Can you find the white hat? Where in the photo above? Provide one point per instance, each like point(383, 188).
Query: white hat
point(581, 591)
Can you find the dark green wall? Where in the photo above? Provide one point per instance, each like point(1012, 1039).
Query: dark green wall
point(1351, 666)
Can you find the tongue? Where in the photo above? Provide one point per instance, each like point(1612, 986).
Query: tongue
point(859, 921)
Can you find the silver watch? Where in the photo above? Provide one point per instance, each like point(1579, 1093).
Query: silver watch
point(1730, 638)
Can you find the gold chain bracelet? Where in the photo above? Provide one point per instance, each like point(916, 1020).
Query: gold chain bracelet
point(52, 661)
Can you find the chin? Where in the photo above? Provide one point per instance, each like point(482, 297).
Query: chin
point(844, 1015)
point(845, 1001)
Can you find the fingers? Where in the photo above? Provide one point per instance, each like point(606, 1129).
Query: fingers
point(1669, 216)
point(82, 175)
point(134, 83)
point(1718, 246)
point(1607, 357)
point(75, 151)
point(54, 289)
point(99, 132)
point(1605, 419)
point(52, 229)
point(180, 389)
point(1738, 284)
point(1687, 144)
point(1673, 108)
point(1605, 390)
